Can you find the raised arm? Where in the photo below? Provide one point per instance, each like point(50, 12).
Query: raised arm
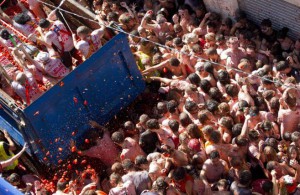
point(144, 23)
point(11, 144)
point(244, 132)
point(11, 160)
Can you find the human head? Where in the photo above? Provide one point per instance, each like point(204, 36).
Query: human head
point(194, 79)
point(174, 125)
point(179, 174)
point(115, 179)
point(214, 156)
point(83, 32)
point(184, 119)
point(266, 26)
point(5, 34)
point(174, 62)
point(191, 107)
point(21, 78)
point(118, 137)
point(44, 23)
point(245, 177)
point(61, 185)
point(193, 131)
point(127, 165)
point(117, 168)
point(172, 106)
point(22, 18)
point(152, 124)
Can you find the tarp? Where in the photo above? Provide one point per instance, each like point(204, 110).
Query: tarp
point(7, 189)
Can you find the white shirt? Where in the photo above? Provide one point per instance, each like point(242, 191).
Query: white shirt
point(27, 28)
point(52, 37)
point(34, 91)
point(53, 67)
point(84, 46)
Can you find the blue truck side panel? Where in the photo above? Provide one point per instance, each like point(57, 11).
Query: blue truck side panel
point(96, 90)
point(7, 189)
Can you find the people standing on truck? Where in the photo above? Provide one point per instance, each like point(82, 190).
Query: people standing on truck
point(90, 41)
point(59, 37)
point(24, 85)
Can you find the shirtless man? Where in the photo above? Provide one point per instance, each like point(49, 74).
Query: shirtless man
point(130, 148)
point(172, 64)
point(289, 113)
point(233, 54)
point(213, 170)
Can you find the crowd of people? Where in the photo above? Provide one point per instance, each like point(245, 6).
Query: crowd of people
point(220, 114)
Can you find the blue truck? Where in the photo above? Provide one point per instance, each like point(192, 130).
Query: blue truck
point(96, 90)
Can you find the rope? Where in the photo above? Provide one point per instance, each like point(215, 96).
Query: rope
point(164, 46)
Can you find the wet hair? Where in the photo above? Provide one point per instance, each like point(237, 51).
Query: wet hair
point(112, 16)
point(44, 23)
point(274, 103)
point(266, 22)
point(174, 62)
point(61, 185)
point(290, 100)
point(116, 177)
point(177, 42)
point(118, 137)
point(214, 154)
point(196, 48)
point(14, 178)
point(242, 104)
point(174, 125)
point(205, 85)
point(193, 131)
point(152, 124)
point(125, 18)
point(127, 164)
point(194, 79)
point(160, 184)
point(253, 111)
point(287, 136)
point(22, 18)
point(245, 177)
point(215, 94)
point(290, 149)
point(117, 168)
point(295, 136)
point(83, 30)
point(184, 119)
point(212, 105)
point(208, 67)
point(208, 130)
point(129, 125)
point(162, 107)
point(282, 33)
point(223, 77)
point(267, 186)
point(240, 141)
point(281, 65)
point(237, 129)
point(260, 103)
point(215, 137)
point(140, 160)
point(5, 34)
point(226, 122)
point(270, 166)
point(190, 105)
point(144, 118)
point(211, 51)
point(171, 106)
point(179, 173)
point(268, 94)
point(231, 90)
point(202, 116)
point(253, 135)
point(211, 24)
point(178, 28)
